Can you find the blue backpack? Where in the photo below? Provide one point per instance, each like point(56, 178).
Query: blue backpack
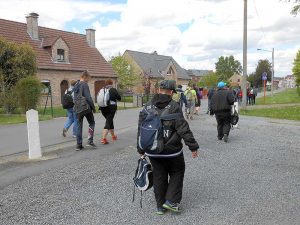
point(150, 138)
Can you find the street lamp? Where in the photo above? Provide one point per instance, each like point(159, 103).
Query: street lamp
point(272, 78)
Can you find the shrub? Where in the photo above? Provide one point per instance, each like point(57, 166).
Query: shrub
point(9, 101)
point(28, 92)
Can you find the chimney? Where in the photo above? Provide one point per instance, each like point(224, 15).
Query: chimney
point(32, 25)
point(90, 37)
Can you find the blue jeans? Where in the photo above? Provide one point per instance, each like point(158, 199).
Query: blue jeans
point(72, 119)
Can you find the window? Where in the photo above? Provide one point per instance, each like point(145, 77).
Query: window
point(60, 55)
point(170, 71)
point(239, 80)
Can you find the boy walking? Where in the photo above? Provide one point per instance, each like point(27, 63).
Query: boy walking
point(81, 89)
point(168, 164)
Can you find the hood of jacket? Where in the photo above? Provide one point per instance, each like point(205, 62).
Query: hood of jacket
point(161, 100)
point(76, 87)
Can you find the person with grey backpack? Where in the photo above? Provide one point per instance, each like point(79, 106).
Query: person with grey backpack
point(84, 107)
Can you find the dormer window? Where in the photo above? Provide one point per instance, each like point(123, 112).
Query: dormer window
point(60, 55)
point(170, 71)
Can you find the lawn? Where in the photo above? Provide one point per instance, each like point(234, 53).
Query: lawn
point(285, 97)
point(18, 117)
point(289, 113)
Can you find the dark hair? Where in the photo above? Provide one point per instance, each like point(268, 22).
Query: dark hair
point(179, 86)
point(85, 74)
point(109, 82)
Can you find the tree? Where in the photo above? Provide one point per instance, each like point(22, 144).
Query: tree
point(251, 79)
point(209, 80)
point(227, 67)
point(127, 77)
point(262, 66)
point(296, 68)
point(16, 62)
point(296, 7)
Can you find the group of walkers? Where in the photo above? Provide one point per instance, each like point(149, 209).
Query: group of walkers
point(165, 149)
point(79, 104)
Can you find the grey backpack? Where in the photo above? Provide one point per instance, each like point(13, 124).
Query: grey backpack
point(81, 105)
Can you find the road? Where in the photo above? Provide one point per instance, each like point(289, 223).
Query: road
point(253, 179)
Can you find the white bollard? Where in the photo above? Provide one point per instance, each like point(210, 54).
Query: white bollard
point(33, 130)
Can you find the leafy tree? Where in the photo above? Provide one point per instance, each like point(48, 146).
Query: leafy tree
point(28, 92)
point(209, 80)
point(16, 62)
point(262, 66)
point(296, 7)
point(251, 79)
point(296, 68)
point(127, 77)
point(227, 67)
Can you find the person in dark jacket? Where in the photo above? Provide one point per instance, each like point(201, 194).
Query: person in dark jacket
point(83, 85)
point(179, 96)
point(169, 166)
point(221, 103)
point(109, 112)
point(210, 93)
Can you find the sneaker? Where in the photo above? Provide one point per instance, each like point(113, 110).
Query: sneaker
point(64, 133)
point(104, 141)
point(114, 138)
point(79, 148)
point(225, 138)
point(160, 211)
point(174, 207)
point(91, 144)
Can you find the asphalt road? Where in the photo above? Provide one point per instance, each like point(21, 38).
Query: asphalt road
point(253, 179)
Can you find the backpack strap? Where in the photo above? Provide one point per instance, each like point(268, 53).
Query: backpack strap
point(171, 116)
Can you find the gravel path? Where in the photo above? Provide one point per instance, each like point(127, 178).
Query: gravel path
point(253, 179)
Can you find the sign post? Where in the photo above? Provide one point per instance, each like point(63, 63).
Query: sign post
point(264, 78)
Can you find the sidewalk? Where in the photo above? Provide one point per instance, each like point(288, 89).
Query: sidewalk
point(13, 138)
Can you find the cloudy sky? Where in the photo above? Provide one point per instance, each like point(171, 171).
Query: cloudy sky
point(194, 32)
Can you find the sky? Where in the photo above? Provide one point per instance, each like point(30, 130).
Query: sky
point(195, 32)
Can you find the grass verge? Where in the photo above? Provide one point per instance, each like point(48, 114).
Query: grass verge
point(289, 113)
point(285, 97)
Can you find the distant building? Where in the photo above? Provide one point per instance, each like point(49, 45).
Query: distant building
point(154, 68)
point(61, 55)
point(236, 81)
point(287, 82)
point(196, 75)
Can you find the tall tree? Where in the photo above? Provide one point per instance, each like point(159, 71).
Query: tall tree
point(296, 68)
point(263, 65)
point(127, 77)
point(296, 8)
point(227, 67)
point(16, 62)
point(209, 80)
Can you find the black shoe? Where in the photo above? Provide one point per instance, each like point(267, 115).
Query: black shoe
point(79, 148)
point(220, 138)
point(64, 133)
point(225, 138)
point(91, 145)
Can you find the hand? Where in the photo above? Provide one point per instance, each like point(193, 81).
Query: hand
point(194, 154)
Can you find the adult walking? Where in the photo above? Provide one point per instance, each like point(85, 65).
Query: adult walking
point(110, 95)
point(84, 107)
point(255, 91)
point(179, 96)
point(190, 95)
point(168, 164)
point(221, 103)
point(210, 93)
point(68, 104)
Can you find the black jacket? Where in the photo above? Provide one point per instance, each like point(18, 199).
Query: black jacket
point(176, 129)
point(114, 95)
point(85, 92)
point(222, 100)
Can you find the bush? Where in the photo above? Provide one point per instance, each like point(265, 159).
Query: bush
point(9, 101)
point(28, 91)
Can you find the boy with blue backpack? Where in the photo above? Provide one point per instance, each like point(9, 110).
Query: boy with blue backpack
point(160, 132)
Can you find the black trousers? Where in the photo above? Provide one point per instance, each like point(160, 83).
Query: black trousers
point(91, 121)
point(223, 120)
point(168, 174)
point(109, 114)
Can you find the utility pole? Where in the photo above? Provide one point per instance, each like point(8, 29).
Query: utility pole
point(244, 80)
point(272, 78)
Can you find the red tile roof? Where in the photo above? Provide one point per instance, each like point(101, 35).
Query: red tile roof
point(82, 56)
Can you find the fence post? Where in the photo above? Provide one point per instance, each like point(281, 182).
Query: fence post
point(33, 130)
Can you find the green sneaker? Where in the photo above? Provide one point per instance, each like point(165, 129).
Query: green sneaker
point(160, 211)
point(174, 207)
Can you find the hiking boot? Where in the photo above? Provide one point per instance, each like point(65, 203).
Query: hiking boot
point(79, 148)
point(220, 138)
point(104, 141)
point(225, 138)
point(91, 145)
point(160, 211)
point(114, 138)
point(64, 133)
point(174, 207)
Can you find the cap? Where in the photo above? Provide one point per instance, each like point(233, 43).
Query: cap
point(168, 85)
point(221, 84)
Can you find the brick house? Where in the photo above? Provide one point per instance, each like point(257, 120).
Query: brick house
point(196, 75)
point(61, 55)
point(154, 68)
point(236, 81)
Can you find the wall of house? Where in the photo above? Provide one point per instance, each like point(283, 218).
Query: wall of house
point(56, 77)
